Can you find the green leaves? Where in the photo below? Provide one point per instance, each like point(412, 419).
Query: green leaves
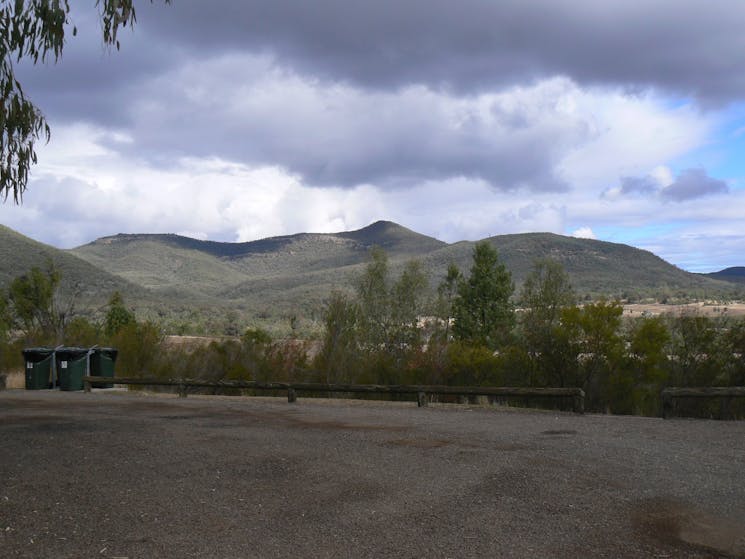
point(482, 309)
point(33, 297)
point(118, 316)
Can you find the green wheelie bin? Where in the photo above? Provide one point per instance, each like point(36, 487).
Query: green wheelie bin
point(103, 360)
point(39, 367)
point(72, 366)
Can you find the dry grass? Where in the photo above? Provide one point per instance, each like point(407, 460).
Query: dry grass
point(15, 379)
point(705, 309)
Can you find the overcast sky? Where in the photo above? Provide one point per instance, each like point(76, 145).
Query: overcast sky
point(234, 120)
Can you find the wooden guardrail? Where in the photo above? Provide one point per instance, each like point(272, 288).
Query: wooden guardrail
point(577, 395)
point(724, 393)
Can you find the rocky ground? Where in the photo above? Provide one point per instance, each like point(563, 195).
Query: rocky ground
point(113, 474)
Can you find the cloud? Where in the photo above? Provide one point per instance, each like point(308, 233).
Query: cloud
point(693, 183)
point(584, 233)
point(688, 185)
point(344, 136)
point(546, 137)
point(239, 120)
point(476, 44)
point(638, 185)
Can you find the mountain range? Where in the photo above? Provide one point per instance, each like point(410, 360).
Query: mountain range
point(272, 278)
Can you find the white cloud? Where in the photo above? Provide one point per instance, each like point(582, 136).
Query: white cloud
point(93, 182)
point(584, 233)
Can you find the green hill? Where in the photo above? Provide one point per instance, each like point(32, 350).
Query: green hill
point(18, 254)
point(212, 269)
point(735, 274)
point(181, 280)
point(595, 267)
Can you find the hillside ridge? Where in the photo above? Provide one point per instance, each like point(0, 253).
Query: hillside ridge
point(294, 274)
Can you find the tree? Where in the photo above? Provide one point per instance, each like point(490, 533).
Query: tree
point(118, 316)
point(5, 317)
point(372, 289)
point(340, 349)
point(406, 301)
point(735, 350)
point(482, 309)
point(82, 332)
point(35, 30)
point(594, 333)
point(546, 294)
point(256, 346)
point(35, 304)
point(698, 350)
point(140, 346)
point(546, 291)
point(446, 294)
point(648, 367)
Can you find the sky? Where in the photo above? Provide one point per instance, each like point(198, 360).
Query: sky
point(230, 120)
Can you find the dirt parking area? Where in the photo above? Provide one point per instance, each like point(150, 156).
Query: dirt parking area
point(113, 474)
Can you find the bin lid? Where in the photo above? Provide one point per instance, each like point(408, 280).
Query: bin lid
point(65, 353)
point(37, 353)
point(110, 352)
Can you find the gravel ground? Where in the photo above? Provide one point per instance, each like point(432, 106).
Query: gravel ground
point(113, 474)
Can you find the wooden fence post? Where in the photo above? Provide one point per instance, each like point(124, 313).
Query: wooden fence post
point(421, 399)
point(667, 404)
point(579, 402)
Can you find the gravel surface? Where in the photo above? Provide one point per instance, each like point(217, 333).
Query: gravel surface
point(113, 474)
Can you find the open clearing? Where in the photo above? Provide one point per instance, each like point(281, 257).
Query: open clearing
point(113, 474)
point(702, 309)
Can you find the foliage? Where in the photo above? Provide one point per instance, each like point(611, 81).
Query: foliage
point(545, 295)
point(646, 370)
point(407, 299)
point(257, 344)
point(595, 330)
point(339, 353)
point(5, 316)
point(697, 350)
point(36, 306)
point(118, 316)
point(389, 311)
point(140, 347)
point(471, 365)
point(377, 332)
point(482, 310)
point(82, 332)
point(372, 288)
point(735, 347)
point(35, 30)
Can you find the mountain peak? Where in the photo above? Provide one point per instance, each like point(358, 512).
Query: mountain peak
point(392, 237)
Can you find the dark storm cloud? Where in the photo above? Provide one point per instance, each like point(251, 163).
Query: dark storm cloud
point(638, 185)
point(352, 82)
point(347, 137)
point(687, 46)
point(693, 183)
point(92, 82)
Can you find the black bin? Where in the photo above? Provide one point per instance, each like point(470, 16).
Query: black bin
point(72, 366)
point(103, 360)
point(39, 367)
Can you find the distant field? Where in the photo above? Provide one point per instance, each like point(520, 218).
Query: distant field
point(654, 309)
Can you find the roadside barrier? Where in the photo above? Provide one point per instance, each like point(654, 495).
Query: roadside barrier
point(724, 393)
point(576, 395)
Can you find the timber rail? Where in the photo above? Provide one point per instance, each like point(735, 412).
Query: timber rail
point(577, 395)
point(724, 393)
